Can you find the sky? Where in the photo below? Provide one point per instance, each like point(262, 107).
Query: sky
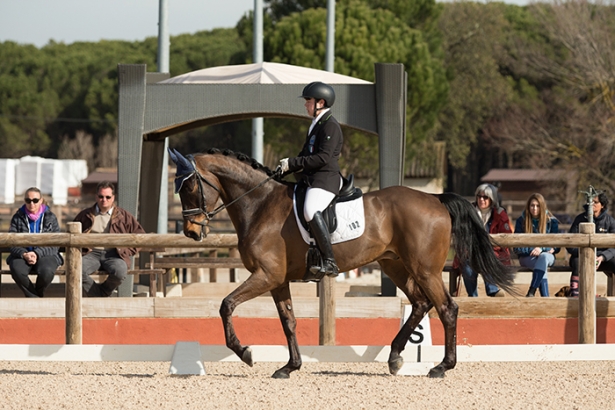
point(39, 21)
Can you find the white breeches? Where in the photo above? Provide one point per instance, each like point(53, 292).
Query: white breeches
point(316, 199)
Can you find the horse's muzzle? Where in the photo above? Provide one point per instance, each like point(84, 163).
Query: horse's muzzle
point(197, 234)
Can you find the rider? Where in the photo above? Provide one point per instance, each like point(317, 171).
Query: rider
point(317, 165)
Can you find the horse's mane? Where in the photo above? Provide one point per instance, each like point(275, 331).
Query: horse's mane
point(243, 158)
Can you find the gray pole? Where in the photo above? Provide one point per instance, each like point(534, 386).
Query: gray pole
point(257, 123)
point(163, 67)
point(326, 287)
point(330, 51)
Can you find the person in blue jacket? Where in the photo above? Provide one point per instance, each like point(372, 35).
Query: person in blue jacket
point(536, 218)
point(34, 216)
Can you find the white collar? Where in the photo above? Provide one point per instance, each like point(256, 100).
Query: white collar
point(318, 117)
point(109, 212)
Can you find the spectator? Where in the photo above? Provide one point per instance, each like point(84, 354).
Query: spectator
point(34, 217)
point(495, 220)
point(105, 217)
point(604, 223)
point(536, 218)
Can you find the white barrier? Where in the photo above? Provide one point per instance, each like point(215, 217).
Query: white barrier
point(343, 354)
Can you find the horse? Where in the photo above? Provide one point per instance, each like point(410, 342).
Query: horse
point(407, 232)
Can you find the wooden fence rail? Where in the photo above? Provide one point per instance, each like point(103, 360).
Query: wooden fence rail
point(73, 241)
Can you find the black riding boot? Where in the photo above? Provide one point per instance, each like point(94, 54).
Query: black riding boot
point(319, 231)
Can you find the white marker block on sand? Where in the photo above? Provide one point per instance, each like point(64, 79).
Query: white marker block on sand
point(187, 359)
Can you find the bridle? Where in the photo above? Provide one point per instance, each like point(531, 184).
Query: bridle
point(189, 214)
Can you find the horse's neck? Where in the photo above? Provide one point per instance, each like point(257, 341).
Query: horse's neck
point(247, 210)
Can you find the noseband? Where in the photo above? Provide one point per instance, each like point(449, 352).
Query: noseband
point(189, 214)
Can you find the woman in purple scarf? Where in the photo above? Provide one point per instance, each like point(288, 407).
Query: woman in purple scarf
point(34, 217)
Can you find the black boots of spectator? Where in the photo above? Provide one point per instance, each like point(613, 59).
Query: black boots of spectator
point(531, 293)
point(320, 233)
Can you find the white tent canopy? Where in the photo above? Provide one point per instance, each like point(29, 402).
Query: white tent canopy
point(262, 73)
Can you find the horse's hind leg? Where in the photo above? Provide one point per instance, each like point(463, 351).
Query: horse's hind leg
point(284, 305)
point(431, 292)
point(420, 307)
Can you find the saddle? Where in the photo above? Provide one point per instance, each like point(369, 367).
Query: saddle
point(348, 193)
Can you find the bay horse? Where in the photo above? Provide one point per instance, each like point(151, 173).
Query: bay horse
point(407, 232)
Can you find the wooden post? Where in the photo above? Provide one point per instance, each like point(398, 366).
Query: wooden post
point(233, 253)
point(587, 289)
point(213, 273)
point(326, 319)
point(74, 331)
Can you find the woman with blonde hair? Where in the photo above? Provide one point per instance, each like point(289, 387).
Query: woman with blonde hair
point(536, 218)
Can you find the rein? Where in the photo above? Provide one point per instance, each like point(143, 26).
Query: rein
point(202, 210)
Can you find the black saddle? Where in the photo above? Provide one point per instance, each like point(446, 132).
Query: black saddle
point(348, 193)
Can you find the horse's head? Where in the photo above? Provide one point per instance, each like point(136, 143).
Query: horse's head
point(197, 194)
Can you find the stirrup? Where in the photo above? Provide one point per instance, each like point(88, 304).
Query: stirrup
point(330, 268)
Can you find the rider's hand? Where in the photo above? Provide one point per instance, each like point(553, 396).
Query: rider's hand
point(284, 165)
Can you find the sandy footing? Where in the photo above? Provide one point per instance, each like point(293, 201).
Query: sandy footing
point(232, 385)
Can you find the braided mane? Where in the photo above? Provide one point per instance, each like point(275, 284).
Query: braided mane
point(241, 157)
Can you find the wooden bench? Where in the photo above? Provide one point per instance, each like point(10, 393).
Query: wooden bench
point(153, 272)
point(454, 277)
point(168, 263)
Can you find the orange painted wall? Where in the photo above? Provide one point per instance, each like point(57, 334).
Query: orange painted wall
point(254, 331)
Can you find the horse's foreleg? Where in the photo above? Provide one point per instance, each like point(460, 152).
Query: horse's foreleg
point(448, 317)
point(284, 305)
point(254, 286)
point(419, 309)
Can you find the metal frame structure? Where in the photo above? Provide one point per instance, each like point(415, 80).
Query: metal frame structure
point(150, 111)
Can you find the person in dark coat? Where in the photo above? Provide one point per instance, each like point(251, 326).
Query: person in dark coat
point(34, 217)
point(604, 223)
point(317, 165)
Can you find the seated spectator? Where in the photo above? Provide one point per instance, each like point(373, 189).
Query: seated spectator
point(604, 223)
point(495, 220)
point(536, 218)
point(105, 217)
point(34, 217)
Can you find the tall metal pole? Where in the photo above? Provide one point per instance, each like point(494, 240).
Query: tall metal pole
point(326, 286)
point(163, 67)
point(257, 123)
point(330, 51)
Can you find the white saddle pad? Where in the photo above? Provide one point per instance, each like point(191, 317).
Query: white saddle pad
point(350, 221)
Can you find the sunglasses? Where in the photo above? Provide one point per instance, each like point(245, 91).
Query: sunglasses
point(30, 200)
point(483, 197)
point(104, 197)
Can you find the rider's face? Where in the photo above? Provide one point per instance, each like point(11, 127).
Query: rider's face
point(311, 105)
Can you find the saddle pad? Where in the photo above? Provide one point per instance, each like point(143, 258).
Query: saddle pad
point(350, 221)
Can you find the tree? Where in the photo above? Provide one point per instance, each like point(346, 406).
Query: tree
point(473, 36)
point(572, 125)
point(364, 36)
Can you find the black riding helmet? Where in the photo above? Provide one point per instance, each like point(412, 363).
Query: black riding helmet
point(319, 91)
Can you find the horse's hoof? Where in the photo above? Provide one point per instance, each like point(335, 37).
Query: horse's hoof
point(395, 365)
point(281, 374)
point(246, 357)
point(436, 373)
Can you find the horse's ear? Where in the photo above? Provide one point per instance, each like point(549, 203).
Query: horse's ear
point(172, 155)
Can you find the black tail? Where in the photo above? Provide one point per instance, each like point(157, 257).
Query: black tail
point(473, 245)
